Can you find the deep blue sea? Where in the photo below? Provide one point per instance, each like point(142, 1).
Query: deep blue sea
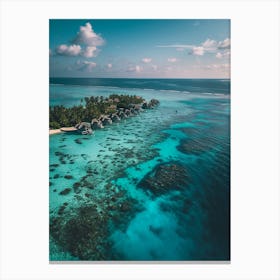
point(153, 187)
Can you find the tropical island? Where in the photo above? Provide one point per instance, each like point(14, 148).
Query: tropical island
point(95, 112)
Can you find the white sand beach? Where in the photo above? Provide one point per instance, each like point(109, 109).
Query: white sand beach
point(62, 129)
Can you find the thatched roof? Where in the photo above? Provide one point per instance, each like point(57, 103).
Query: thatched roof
point(84, 125)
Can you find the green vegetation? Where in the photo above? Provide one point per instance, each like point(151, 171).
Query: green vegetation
point(94, 107)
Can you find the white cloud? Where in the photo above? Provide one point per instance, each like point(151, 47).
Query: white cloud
point(172, 59)
point(225, 54)
point(85, 43)
point(136, 69)
point(109, 65)
point(224, 44)
point(86, 65)
point(90, 51)
point(217, 67)
point(212, 46)
point(87, 36)
point(90, 63)
point(219, 55)
point(176, 46)
point(146, 60)
point(197, 51)
point(65, 50)
point(209, 44)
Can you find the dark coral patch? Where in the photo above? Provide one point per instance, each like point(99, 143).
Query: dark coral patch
point(62, 146)
point(83, 234)
point(194, 146)
point(65, 191)
point(61, 209)
point(164, 178)
point(78, 141)
point(76, 187)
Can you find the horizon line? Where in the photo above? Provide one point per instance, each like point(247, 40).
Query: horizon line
point(138, 78)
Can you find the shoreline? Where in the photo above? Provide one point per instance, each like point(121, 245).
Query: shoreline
point(62, 130)
point(104, 112)
point(54, 131)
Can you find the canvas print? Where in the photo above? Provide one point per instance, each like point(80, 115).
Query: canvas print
point(139, 140)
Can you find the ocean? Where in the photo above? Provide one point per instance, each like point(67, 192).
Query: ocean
point(153, 187)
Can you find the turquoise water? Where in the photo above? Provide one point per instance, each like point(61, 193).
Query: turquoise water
point(152, 187)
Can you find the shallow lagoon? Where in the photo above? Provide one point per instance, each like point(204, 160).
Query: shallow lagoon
point(152, 187)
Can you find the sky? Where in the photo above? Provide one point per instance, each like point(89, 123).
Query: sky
point(99, 48)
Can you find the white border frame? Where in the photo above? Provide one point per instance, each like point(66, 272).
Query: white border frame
point(255, 138)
